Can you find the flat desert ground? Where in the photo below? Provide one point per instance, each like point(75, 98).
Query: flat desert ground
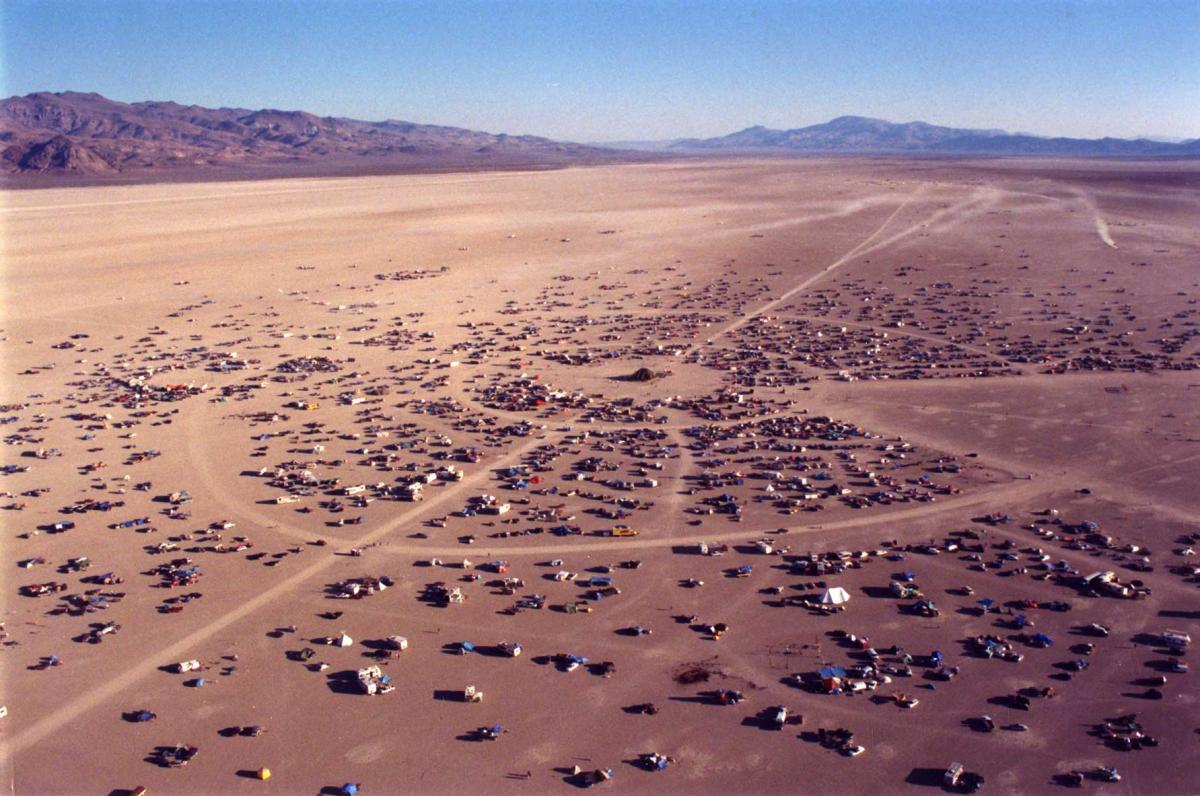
point(975, 380)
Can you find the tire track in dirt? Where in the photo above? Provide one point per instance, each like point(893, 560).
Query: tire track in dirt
point(55, 720)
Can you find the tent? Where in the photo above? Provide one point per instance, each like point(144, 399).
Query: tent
point(343, 641)
point(835, 596)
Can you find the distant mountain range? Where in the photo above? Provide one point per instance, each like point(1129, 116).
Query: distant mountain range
point(90, 136)
point(861, 135)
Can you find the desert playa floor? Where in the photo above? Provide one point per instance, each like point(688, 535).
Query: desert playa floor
point(952, 389)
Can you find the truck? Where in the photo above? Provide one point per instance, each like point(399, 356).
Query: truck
point(372, 681)
point(1175, 638)
point(961, 781)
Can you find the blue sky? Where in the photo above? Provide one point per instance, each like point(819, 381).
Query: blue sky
point(588, 70)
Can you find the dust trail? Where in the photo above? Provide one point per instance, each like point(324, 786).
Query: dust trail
point(1102, 231)
point(1101, 224)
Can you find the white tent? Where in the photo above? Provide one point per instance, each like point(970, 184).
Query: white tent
point(835, 596)
point(343, 641)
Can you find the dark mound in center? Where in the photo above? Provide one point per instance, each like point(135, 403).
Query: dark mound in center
point(642, 374)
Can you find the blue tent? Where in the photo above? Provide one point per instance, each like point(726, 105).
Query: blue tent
point(831, 671)
point(466, 646)
point(1043, 639)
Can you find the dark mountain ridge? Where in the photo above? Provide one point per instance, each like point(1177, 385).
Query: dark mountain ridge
point(87, 135)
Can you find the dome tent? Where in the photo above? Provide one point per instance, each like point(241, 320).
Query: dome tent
point(835, 595)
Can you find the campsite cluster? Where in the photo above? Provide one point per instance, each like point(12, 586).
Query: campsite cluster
point(609, 509)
